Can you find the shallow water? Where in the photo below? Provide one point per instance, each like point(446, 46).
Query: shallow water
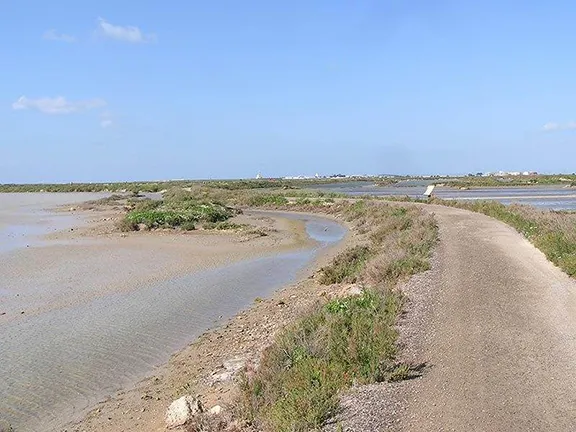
point(56, 365)
point(26, 217)
point(547, 197)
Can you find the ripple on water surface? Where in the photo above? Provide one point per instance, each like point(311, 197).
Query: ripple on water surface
point(56, 365)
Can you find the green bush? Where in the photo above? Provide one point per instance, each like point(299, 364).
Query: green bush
point(347, 340)
point(267, 200)
point(173, 214)
point(346, 266)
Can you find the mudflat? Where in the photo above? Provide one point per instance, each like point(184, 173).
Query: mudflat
point(86, 311)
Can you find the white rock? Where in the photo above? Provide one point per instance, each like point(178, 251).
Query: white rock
point(229, 369)
point(182, 410)
point(215, 410)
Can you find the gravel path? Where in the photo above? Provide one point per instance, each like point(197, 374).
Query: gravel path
point(495, 323)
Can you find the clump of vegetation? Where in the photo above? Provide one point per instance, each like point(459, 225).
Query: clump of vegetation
point(347, 340)
point(553, 232)
point(346, 266)
point(262, 200)
point(178, 209)
point(222, 226)
point(167, 216)
point(524, 180)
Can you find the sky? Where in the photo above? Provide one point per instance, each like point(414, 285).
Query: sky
point(112, 91)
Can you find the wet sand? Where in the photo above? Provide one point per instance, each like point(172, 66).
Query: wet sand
point(208, 367)
point(82, 316)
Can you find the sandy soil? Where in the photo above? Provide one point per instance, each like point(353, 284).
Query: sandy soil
point(209, 366)
point(495, 324)
point(100, 260)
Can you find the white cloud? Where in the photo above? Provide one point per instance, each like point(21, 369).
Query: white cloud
point(55, 36)
point(57, 105)
point(553, 126)
point(550, 126)
point(106, 120)
point(129, 34)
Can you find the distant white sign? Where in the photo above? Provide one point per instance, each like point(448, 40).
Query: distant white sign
point(429, 190)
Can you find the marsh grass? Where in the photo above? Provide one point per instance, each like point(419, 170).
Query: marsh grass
point(179, 208)
point(346, 340)
point(553, 232)
point(346, 266)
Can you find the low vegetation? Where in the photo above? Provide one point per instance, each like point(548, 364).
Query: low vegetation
point(177, 209)
point(346, 266)
point(157, 186)
point(494, 181)
point(553, 232)
point(346, 340)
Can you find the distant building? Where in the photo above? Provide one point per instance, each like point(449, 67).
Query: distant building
point(258, 176)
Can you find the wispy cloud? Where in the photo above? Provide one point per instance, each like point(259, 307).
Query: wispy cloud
point(106, 120)
point(129, 34)
point(53, 35)
point(57, 105)
point(553, 126)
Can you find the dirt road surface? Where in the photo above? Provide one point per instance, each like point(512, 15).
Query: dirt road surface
point(495, 322)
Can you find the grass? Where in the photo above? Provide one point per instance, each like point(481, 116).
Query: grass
point(346, 266)
point(178, 209)
point(494, 181)
point(346, 340)
point(553, 232)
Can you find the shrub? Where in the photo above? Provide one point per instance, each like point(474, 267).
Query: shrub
point(296, 387)
point(347, 340)
point(267, 200)
point(173, 214)
point(126, 225)
point(346, 266)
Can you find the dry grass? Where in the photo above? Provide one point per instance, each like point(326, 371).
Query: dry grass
point(553, 232)
point(347, 340)
point(346, 266)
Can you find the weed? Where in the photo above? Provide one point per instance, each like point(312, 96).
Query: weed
point(553, 232)
point(346, 266)
point(261, 200)
point(346, 340)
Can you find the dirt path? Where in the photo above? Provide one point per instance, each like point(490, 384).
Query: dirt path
point(496, 324)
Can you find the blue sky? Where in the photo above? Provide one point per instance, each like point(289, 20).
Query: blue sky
point(108, 90)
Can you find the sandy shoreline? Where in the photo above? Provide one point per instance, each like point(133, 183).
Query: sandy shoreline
point(111, 262)
point(207, 367)
point(87, 264)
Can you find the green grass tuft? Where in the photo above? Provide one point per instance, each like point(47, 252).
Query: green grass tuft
point(346, 266)
point(346, 340)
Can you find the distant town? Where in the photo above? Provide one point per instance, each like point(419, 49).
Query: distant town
point(361, 176)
